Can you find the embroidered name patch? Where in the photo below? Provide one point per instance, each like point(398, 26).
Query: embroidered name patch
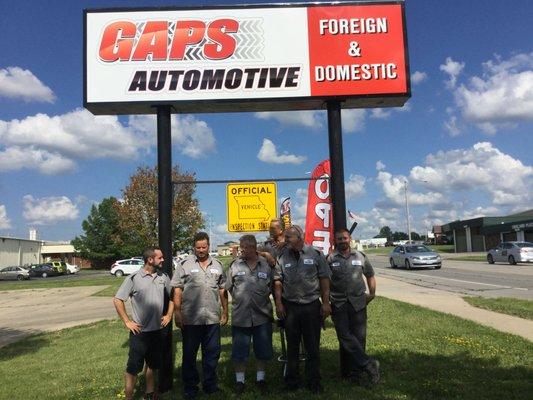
point(335, 264)
point(262, 275)
point(287, 265)
point(194, 271)
point(214, 271)
point(308, 261)
point(240, 273)
point(357, 262)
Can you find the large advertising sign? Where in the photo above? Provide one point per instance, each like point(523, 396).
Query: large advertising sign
point(248, 58)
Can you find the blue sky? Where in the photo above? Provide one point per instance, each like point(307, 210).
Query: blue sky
point(463, 141)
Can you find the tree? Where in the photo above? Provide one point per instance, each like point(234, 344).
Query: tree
point(415, 236)
point(384, 232)
point(138, 212)
point(101, 243)
point(399, 236)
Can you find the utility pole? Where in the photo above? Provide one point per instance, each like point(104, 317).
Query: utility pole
point(407, 211)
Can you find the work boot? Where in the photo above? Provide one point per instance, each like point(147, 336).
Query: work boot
point(372, 369)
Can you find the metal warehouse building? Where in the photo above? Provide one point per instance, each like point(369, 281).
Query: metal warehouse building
point(484, 233)
point(18, 252)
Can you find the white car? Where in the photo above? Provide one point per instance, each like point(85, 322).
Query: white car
point(72, 269)
point(511, 252)
point(126, 267)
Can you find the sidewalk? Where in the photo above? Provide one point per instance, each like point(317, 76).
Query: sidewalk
point(452, 303)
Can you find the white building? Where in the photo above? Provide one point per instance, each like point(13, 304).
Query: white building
point(19, 252)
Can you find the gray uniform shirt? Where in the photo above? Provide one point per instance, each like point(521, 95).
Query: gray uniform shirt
point(300, 276)
point(347, 283)
point(200, 303)
point(147, 293)
point(250, 292)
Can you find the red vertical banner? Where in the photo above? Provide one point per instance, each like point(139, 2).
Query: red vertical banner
point(319, 219)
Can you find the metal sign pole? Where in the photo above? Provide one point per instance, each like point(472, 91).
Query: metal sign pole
point(336, 186)
point(164, 181)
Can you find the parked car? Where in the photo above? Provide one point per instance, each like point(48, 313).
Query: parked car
point(414, 255)
point(126, 267)
point(43, 270)
point(15, 273)
point(72, 269)
point(511, 252)
point(60, 266)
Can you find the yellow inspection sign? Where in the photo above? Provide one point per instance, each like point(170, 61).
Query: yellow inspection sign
point(251, 206)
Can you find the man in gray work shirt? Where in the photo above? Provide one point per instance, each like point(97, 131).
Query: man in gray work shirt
point(149, 290)
point(249, 281)
point(349, 301)
point(304, 279)
point(198, 295)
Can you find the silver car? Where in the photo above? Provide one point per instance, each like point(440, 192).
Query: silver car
point(511, 252)
point(414, 255)
point(16, 273)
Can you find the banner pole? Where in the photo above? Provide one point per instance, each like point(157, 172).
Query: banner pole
point(337, 164)
point(164, 182)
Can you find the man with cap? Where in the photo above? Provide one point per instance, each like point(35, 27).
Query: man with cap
point(249, 281)
point(198, 296)
point(150, 293)
point(349, 301)
point(304, 279)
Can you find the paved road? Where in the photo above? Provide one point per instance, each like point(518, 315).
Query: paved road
point(466, 277)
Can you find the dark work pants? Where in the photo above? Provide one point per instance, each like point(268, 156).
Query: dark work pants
point(303, 321)
point(350, 326)
point(194, 336)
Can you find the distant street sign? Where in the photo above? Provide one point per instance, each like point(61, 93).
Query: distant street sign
point(251, 206)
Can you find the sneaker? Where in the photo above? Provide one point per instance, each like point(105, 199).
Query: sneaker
point(262, 386)
point(372, 369)
point(239, 388)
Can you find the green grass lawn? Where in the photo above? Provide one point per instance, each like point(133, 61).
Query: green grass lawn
point(423, 354)
point(504, 305)
point(470, 258)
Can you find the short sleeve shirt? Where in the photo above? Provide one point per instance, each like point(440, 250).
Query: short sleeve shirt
point(148, 293)
point(347, 283)
point(300, 273)
point(250, 292)
point(200, 304)
point(273, 248)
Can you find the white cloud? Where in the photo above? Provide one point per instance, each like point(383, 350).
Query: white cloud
point(452, 126)
point(309, 119)
point(353, 120)
point(394, 190)
point(52, 144)
point(355, 186)
point(453, 69)
point(48, 210)
point(191, 136)
point(503, 94)
point(269, 154)
point(16, 158)
point(380, 166)
point(418, 77)
point(380, 113)
point(5, 223)
point(479, 168)
point(18, 83)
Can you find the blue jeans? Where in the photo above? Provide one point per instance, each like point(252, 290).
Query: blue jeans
point(194, 336)
point(262, 342)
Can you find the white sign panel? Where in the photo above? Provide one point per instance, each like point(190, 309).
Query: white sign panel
point(231, 59)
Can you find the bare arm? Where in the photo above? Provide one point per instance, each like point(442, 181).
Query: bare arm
point(178, 319)
point(121, 311)
point(165, 320)
point(324, 289)
point(280, 309)
point(371, 282)
point(223, 294)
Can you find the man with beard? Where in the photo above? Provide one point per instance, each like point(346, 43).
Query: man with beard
point(304, 280)
point(349, 301)
point(149, 290)
point(198, 296)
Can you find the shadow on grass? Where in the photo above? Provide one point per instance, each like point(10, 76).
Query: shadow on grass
point(405, 375)
point(15, 347)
